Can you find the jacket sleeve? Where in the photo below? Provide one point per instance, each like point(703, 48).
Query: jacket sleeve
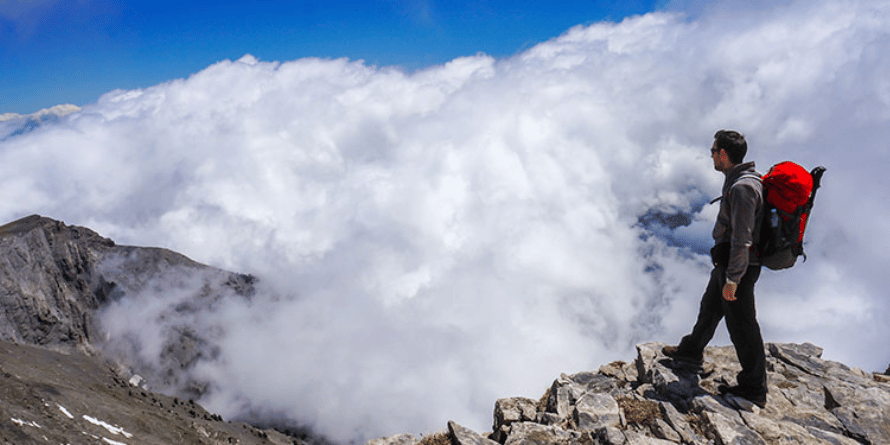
point(743, 206)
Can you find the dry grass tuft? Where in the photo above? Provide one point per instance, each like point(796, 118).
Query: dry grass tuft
point(439, 438)
point(543, 401)
point(640, 412)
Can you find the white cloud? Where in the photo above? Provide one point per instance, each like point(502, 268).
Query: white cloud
point(436, 240)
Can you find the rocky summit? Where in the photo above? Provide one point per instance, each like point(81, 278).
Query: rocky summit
point(654, 400)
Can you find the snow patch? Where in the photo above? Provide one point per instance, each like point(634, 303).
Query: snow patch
point(20, 422)
point(65, 412)
point(111, 428)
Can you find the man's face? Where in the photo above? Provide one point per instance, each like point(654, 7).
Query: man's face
point(720, 158)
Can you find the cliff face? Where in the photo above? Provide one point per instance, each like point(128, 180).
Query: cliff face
point(56, 277)
point(50, 287)
point(653, 400)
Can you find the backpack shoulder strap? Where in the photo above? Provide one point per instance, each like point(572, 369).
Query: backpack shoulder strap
point(745, 175)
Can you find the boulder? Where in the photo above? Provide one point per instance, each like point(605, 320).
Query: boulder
point(595, 410)
point(461, 435)
point(510, 411)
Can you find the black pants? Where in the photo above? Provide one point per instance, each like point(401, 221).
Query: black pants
point(741, 321)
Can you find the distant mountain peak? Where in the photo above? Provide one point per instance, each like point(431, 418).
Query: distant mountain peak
point(57, 110)
point(14, 124)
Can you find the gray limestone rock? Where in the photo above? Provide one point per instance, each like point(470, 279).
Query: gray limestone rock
point(514, 409)
point(510, 411)
point(398, 439)
point(528, 433)
point(464, 436)
point(595, 410)
point(635, 438)
point(608, 435)
point(731, 430)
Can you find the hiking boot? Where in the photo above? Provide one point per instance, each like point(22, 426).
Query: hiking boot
point(758, 399)
point(674, 353)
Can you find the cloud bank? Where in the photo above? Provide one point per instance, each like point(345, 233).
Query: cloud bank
point(432, 241)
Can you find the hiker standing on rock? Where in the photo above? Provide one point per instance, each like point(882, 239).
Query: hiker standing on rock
point(730, 291)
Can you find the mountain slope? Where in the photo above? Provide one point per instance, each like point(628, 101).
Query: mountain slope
point(50, 397)
point(54, 278)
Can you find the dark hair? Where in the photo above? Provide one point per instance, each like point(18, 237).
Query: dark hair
point(733, 143)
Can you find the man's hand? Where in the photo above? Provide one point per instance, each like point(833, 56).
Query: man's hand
point(729, 290)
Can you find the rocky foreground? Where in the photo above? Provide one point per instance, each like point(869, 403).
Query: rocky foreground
point(654, 401)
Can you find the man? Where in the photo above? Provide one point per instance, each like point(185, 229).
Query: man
point(730, 291)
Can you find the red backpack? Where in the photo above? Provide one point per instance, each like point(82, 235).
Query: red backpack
point(788, 194)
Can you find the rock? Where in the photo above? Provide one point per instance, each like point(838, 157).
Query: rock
point(528, 433)
point(567, 390)
point(785, 432)
point(610, 436)
point(398, 439)
point(621, 371)
point(679, 424)
point(510, 411)
point(672, 380)
point(635, 438)
point(595, 410)
point(464, 436)
point(663, 430)
point(741, 403)
point(730, 430)
point(800, 356)
point(137, 381)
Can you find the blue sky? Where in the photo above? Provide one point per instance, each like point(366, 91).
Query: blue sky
point(73, 51)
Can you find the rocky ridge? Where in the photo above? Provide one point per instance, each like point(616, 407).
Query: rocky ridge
point(58, 382)
point(55, 279)
point(654, 400)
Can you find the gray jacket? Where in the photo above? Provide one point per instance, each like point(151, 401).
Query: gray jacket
point(738, 222)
